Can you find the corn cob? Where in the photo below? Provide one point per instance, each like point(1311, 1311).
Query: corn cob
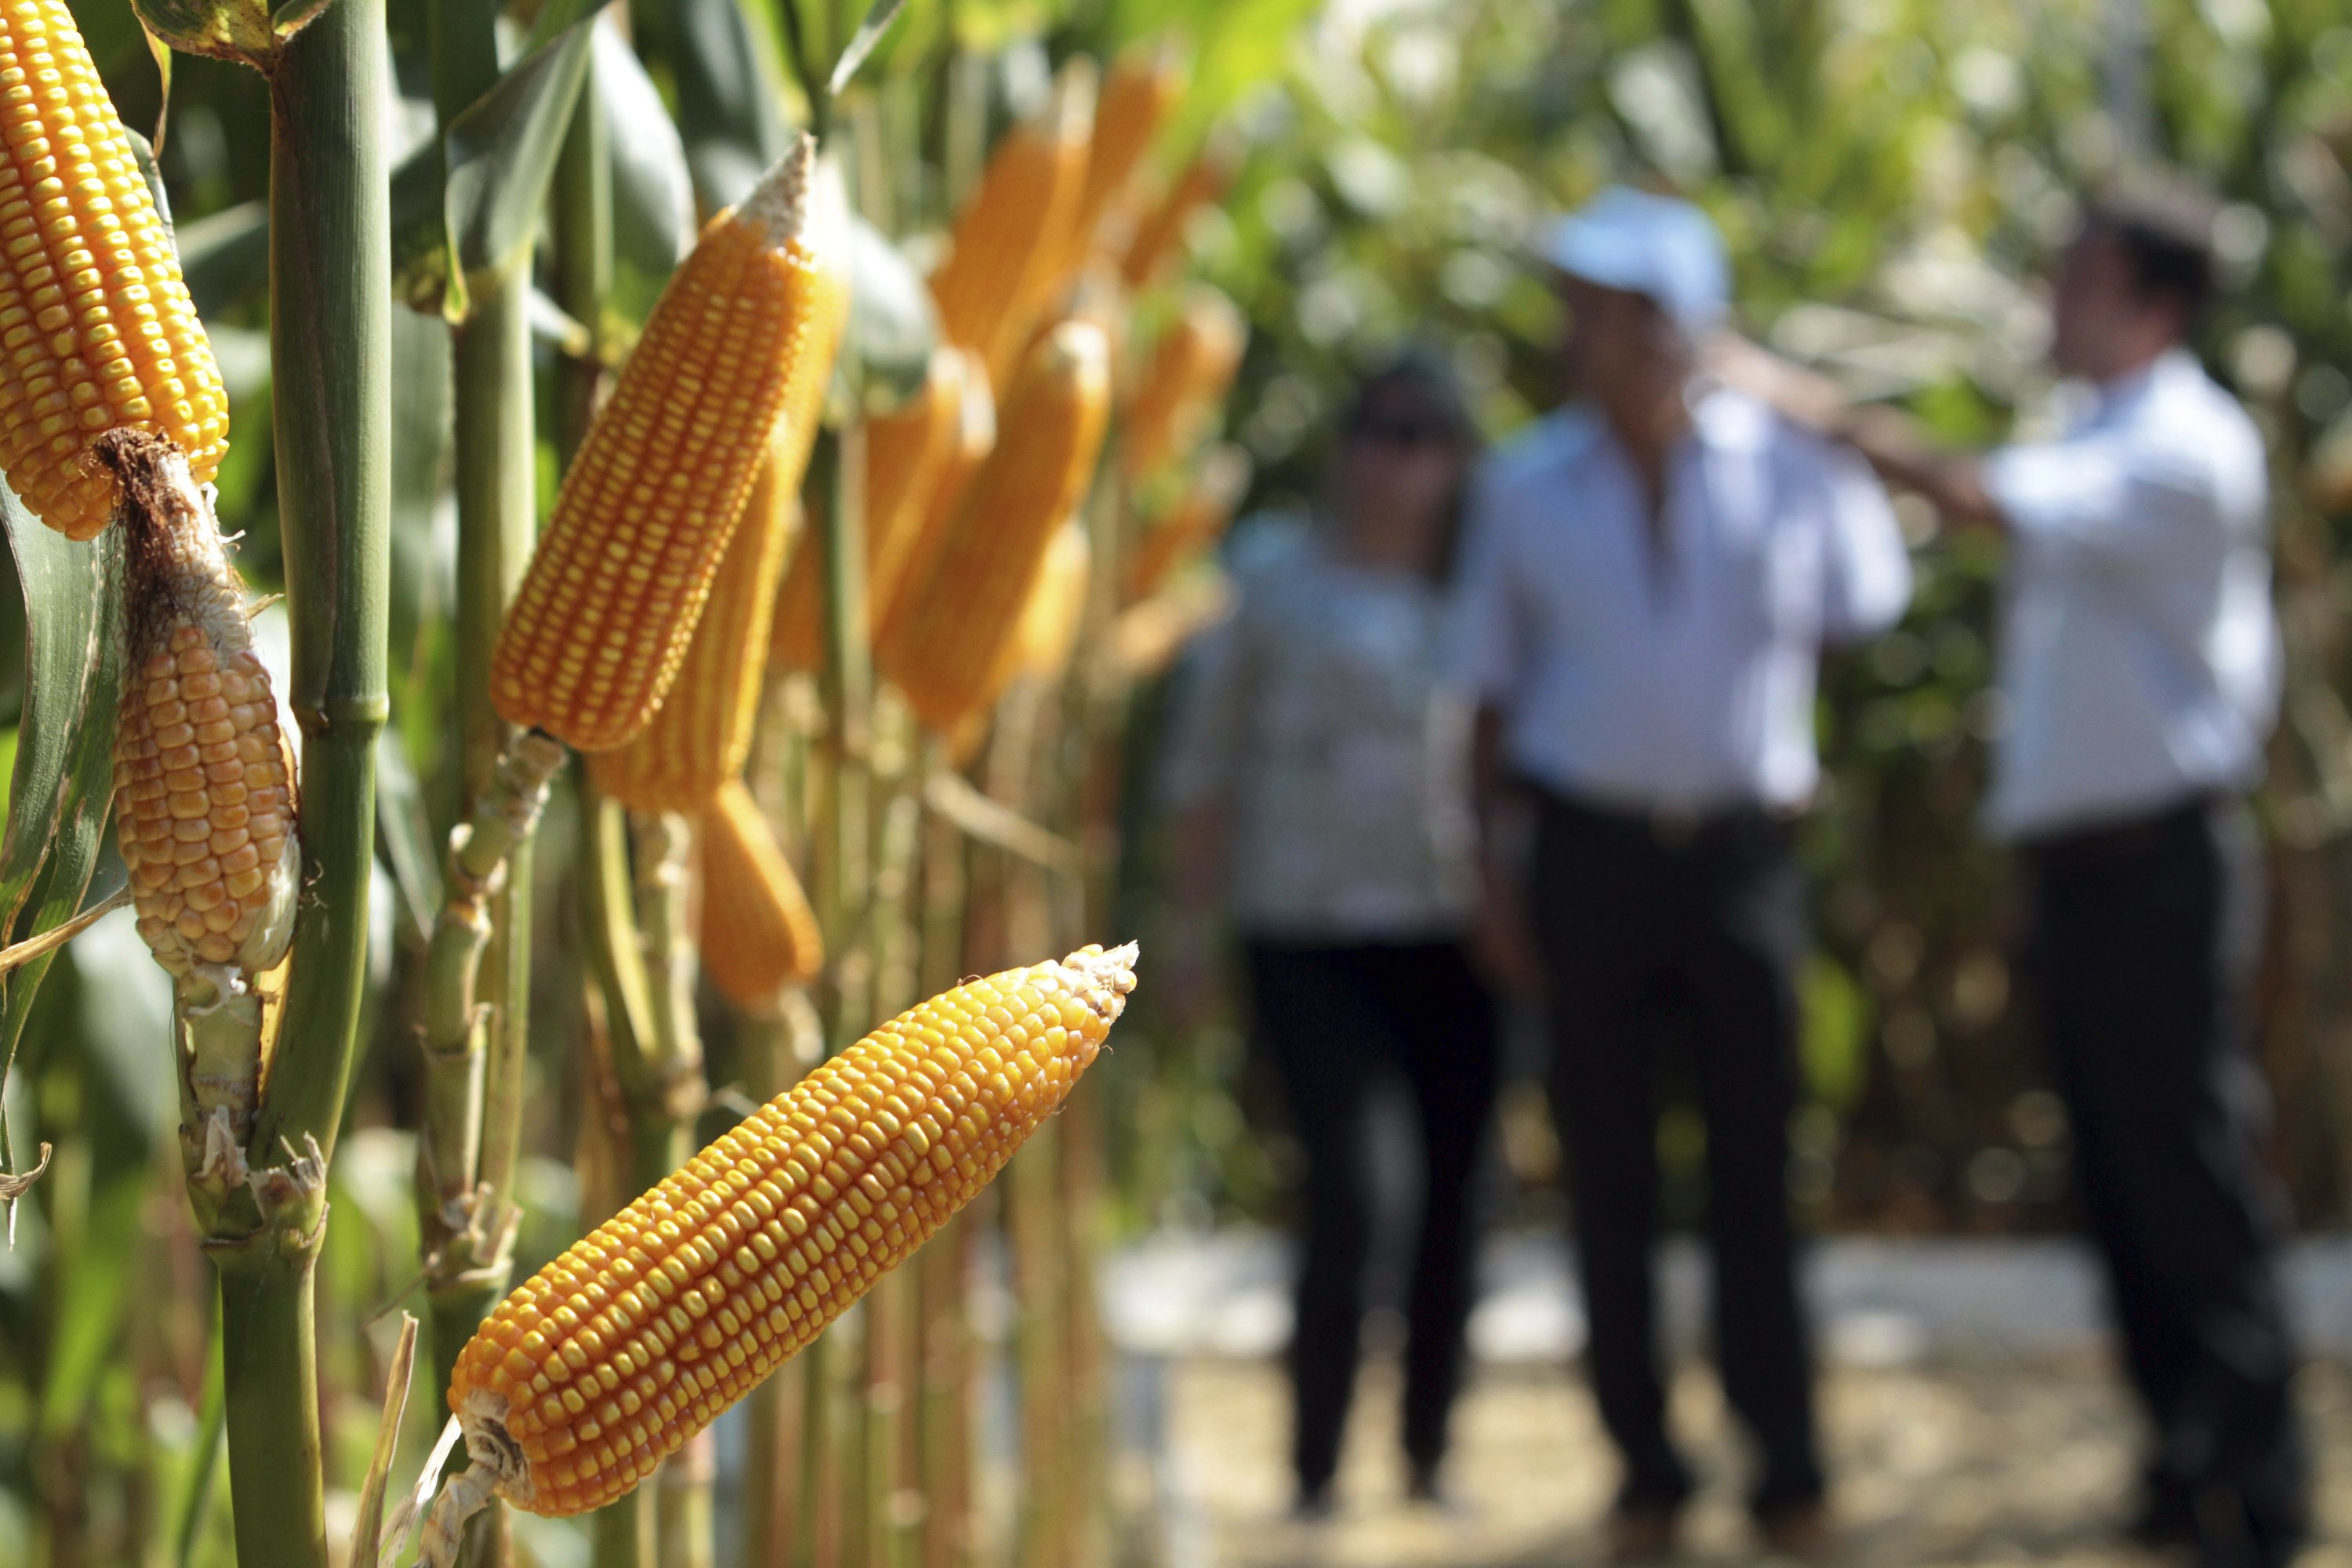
point(974, 439)
point(1010, 238)
point(1138, 92)
point(616, 1353)
point(1196, 522)
point(205, 812)
point(1160, 236)
point(942, 648)
point(1047, 632)
point(905, 455)
point(95, 322)
point(758, 934)
point(1191, 369)
point(734, 359)
point(701, 734)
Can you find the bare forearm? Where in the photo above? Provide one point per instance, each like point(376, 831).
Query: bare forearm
point(1896, 446)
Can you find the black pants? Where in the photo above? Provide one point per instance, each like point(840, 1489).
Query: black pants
point(1700, 925)
point(2141, 939)
point(1332, 1019)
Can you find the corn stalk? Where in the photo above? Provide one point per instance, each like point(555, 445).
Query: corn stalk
point(331, 352)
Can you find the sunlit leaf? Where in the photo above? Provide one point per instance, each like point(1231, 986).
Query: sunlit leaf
point(250, 32)
point(502, 150)
point(861, 43)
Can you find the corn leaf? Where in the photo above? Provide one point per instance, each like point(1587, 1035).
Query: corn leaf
point(892, 325)
point(652, 189)
point(63, 782)
point(861, 43)
point(728, 109)
point(502, 150)
point(475, 198)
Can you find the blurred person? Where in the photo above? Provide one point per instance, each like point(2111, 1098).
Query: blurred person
point(2138, 666)
point(1653, 572)
point(1318, 775)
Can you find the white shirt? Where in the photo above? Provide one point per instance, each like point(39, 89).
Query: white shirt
point(1317, 713)
point(1683, 677)
point(2140, 656)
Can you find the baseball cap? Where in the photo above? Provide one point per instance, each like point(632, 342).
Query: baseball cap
point(1656, 246)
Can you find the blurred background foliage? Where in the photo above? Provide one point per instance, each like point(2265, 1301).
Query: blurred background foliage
point(1891, 175)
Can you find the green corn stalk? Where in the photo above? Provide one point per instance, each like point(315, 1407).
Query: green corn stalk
point(331, 352)
point(475, 1030)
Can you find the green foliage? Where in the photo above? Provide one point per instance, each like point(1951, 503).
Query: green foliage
point(63, 773)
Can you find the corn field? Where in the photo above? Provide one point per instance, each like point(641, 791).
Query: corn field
point(571, 630)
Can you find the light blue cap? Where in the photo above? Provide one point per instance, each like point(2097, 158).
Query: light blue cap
point(1657, 246)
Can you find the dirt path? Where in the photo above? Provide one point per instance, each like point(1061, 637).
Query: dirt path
point(1935, 1468)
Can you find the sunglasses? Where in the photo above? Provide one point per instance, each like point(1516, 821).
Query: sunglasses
point(1403, 434)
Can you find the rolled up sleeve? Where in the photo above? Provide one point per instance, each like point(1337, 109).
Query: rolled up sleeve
point(1869, 574)
point(2104, 500)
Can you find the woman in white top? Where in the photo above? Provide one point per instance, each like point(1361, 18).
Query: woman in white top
point(1320, 781)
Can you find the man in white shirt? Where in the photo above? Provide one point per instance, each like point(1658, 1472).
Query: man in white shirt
point(2139, 669)
point(1651, 575)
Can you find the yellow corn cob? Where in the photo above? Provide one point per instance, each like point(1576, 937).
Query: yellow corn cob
point(941, 649)
point(904, 454)
point(613, 1355)
point(1047, 632)
point(975, 437)
point(1011, 236)
point(96, 326)
point(1138, 92)
point(1196, 522)
point(702, 732)
point(1178, 394)
point(759, 935)
point(734, 359)
point(1160, 236)
point(1191, 369)
point(204, 801)
point(1044, 639)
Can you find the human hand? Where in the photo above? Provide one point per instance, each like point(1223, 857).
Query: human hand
point(1503, 944)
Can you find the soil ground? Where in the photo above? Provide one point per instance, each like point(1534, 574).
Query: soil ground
point(1959, 1466)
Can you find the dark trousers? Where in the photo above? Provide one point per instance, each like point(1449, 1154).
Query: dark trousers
point(2141, 941)
point(1333, 1019)
point(1644, 925)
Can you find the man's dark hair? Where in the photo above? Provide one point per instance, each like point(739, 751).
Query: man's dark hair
point(2165, 227)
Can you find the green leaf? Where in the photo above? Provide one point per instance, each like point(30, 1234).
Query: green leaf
point(652, 189)
point(476, 195)
point(892, 325)
point(502, 150)
point(727, 109)
point(63, 780)
point(250, 32)
point(861, 43)
point(225, 257)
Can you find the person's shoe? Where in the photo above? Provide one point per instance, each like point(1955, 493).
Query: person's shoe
point(1643, 1532)
point(1798, 1530)
point(1425, 1488)
point(2164, 1521)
